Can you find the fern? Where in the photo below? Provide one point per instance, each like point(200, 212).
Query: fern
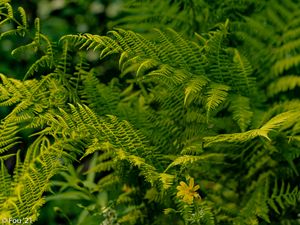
point(280, 31)
point(273, 124)
point(31, 178)
point(241, 110)
point(135, 51)
point(284, 195)
point(283, 84)
point(153, 14)
point(255, 207)
point(188, 159)
point(194, 88)
point(218, 107)
point(215, 97)
point(8, 136)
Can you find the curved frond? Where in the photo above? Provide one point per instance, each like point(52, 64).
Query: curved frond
point(215, 97)
point(241, 110)
point(283, 84)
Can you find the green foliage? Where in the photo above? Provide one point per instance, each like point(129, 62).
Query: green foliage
point(188, 16)
point(116, 142)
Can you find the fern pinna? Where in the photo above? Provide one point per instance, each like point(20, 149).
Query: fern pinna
point(184, 132)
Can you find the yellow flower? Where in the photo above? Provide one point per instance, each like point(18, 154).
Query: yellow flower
point(188, 192)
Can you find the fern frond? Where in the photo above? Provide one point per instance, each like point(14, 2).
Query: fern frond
point(285, 64)
point(37, 27)
point(23, 48)
point(134, 46)
point(21, 95)
point(10, 11)
point(276, 31)
point(104, 166)
point(149, 14)
point(258, 162)
point(10, 91)
point(215, 97)
point(31, 179)
point(185, 108)
point(242, 74)
point(5, 180)
point(108, 181)
point(274, 123)
point(23, 17)
point(192, 149)
point(44, 62)
point(190, 159)
point(283, 84)
point(204, 214)
point(256, 206)
point(241, 110)
point(194, 88)
point(120, 134)
point(283, 196)
point(219, 61)
point(8, 136)
point(7, 15)
point(278, 121)
point(103, 99)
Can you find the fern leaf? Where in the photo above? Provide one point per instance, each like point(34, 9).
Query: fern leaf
point(146, 65)
point(283, 196)
point(192, 149)
point(242, 79)
point(242, 114)
point(285, 64)
point(23, 16)
point(4, 181)
point(256, 205)
point(274, 123)
point(103, 166)
point(31, 179)
point(219, 61)
point(283, 84)
point(44, 61)
point(37, 27)
point(8, 33)
point(23, 48)
point(194, 88)
point(166, 180)
point(189, 159)
point(10, 10)
point(215, 97)
point(278, 121)
point(8, 138)
point(108, 181)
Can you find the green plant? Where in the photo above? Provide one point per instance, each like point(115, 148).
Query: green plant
point(184, 109)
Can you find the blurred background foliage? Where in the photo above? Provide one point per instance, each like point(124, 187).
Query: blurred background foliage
point(60, 17)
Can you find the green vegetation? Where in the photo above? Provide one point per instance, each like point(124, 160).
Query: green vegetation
point(189, 114)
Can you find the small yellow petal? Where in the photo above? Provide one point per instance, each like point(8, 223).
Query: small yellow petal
point(196, 188)
point(191, 183)
point(183, 184)
point(180, 188)
point(196, 195)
